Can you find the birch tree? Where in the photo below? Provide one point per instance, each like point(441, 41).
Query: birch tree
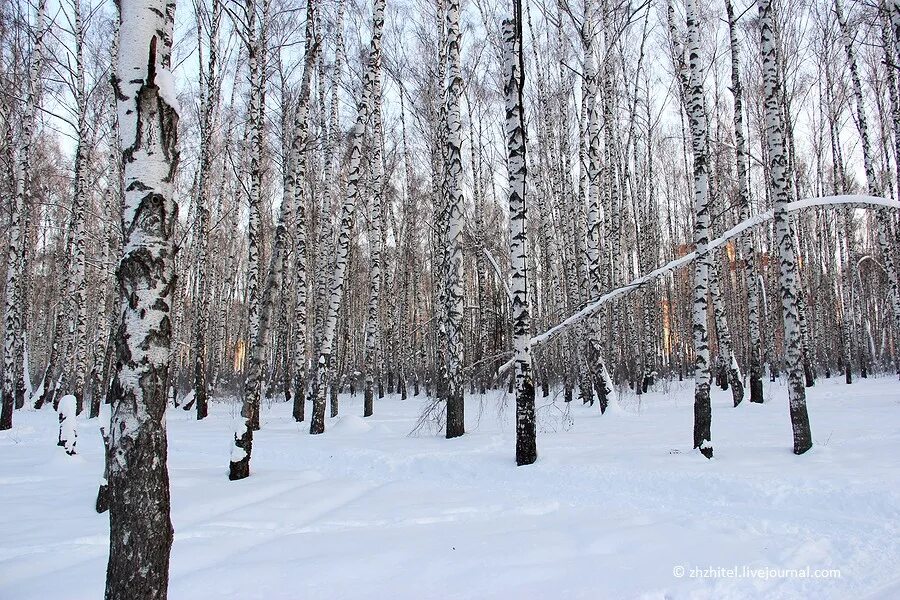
point(78, 324)
point(594, 190)
point(253, 38)
point(743, 175)
point(779, 186)
point(300, 137)
point(140, 528)
point(513, 86)
point(12, 308)
point(208, 19)
point(453, 244)
point(371, 359)
point(699, 143)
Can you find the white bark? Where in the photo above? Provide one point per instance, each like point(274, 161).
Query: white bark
point(696, 110)
point(455, 218)
point(526, 445)
point(780, 190)
point(372, 355)
point(743, 176)
point(12, 313)
point(140, 527)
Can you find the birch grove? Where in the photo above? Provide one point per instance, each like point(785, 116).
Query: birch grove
point(455, 204)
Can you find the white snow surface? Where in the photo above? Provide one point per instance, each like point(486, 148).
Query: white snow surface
point(614, 505)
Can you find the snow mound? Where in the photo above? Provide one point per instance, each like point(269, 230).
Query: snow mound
point(68, 435)
point(350, 424)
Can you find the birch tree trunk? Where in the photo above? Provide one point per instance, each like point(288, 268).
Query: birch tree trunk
point(513, 85)
point(78, 325)
point(453, 245)
point(697, 118)
point(788, 277)
point(324, 264)
point(239, 467)
point(723, 334)
point(743, 176)
point(298, 154)
point(371, 358)
point(208, 110)
point(597, 365)
point(12, 312)
point(140, 527)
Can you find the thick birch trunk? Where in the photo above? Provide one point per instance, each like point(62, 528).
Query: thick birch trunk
point(140, 527)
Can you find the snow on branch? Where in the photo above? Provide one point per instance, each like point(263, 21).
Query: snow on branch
point(852, 201)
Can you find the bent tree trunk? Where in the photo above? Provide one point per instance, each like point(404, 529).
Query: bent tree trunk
point(140, 532)
point(239, 466)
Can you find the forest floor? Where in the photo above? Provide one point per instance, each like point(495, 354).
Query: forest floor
point(615, 507)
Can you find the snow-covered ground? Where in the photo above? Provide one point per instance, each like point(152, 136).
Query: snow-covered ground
point(615, 507)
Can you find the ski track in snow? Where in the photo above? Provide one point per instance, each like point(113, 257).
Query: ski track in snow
point(367, 510)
